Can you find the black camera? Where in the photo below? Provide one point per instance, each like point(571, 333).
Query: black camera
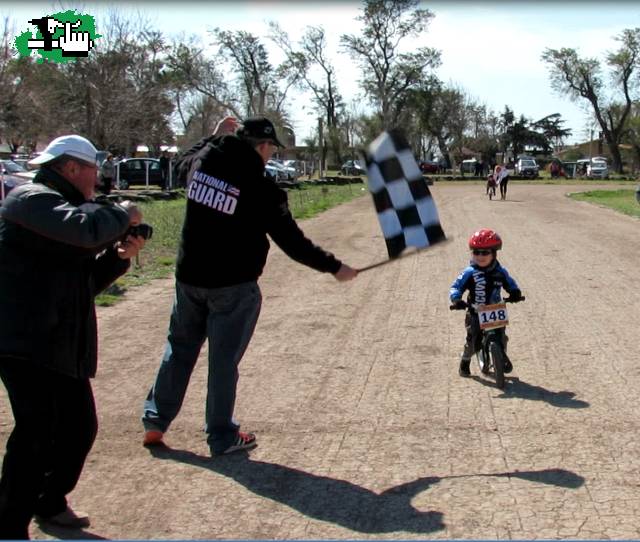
point(141, 230)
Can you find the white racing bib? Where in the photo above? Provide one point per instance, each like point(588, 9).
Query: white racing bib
point(493, 316)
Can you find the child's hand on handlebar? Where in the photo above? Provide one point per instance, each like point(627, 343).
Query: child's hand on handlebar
point(515, 297)
point(457, 305)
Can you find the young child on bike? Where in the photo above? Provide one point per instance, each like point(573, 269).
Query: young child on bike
point(484, 279)
point(491, 184)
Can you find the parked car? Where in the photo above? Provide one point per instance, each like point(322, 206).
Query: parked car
point(274, 172)
point(526, 167)
point(570, 169)
point(468, 166)
point(598, 169)
point(130, 171)
point(429, 166)
point(277, 170)
point(593, 168)
point(13, 175)
point(287, 173)
point(353, 167)
point(298, 165)
point(581, 166)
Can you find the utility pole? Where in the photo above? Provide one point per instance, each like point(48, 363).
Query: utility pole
point(320, 146)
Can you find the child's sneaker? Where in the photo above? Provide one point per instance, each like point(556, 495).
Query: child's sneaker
point(508, 366)
point(464, 369)
point(244, 441)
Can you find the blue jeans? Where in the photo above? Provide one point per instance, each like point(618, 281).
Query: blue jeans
point(227, 318)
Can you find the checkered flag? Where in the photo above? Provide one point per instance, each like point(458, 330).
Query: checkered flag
point(406, 210)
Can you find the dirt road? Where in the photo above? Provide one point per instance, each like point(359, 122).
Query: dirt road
point(365, 428)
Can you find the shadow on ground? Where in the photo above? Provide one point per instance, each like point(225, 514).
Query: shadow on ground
point(516, 388)
point(67, 533)
point(341, 502)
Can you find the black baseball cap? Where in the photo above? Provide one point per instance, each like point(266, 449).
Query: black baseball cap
point(260, 128)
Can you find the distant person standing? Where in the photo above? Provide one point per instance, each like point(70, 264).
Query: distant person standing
point(501, 176)
point(477, 168)
point(165, 164)
point(107, 174)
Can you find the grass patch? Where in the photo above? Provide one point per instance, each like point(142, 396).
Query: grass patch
point(309, 201)
point(622, 200)
point(158, 258)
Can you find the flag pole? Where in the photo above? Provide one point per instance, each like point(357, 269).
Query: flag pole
point(403, 255)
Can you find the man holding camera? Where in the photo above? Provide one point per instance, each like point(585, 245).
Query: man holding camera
point(58, 249)
point(231, 208)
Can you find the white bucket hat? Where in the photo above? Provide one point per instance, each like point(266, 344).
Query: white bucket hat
point(71, 145)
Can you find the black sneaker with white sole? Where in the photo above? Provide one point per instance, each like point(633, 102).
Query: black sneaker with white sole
point(244, 441)
point(508, 366)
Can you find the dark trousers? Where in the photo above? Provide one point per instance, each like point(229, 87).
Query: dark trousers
point(225, 316)
point(55, 426)
point(473, 341)
point(503, 187)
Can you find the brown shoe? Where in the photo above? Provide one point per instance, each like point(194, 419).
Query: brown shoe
point(153, 438)
point(68, 518)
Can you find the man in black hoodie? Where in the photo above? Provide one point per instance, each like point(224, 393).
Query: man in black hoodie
point(231, 208)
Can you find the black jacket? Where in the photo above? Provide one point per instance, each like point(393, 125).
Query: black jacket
point(56, 254)
point(231, 207)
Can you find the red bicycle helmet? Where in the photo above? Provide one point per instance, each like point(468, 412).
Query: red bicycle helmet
point(485, 238)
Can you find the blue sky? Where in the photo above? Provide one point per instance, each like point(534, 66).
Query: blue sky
point(490, 49)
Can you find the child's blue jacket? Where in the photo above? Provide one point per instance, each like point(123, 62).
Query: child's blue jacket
point(483, 283)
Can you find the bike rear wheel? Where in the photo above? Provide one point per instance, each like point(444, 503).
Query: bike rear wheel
point(497, 357)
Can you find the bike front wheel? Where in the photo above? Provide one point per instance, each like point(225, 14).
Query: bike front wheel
point(497, 358)
point(483, 361)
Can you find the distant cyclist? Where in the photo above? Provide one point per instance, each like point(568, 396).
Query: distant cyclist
point(483, 278)
point(491, 184)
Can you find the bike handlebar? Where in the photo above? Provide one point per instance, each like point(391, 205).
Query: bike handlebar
point(464, 305)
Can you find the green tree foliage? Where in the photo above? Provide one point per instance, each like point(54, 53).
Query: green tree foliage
point(552, 130)
point(116, 96)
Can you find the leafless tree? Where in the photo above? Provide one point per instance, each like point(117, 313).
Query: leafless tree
point(387, 73)
point(583, 78)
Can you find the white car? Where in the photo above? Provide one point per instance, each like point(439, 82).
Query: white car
point(598, 169)
point(285, 173)
point(274, 172)
point(527, 167)
point(593, 168)
point(296, 166)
